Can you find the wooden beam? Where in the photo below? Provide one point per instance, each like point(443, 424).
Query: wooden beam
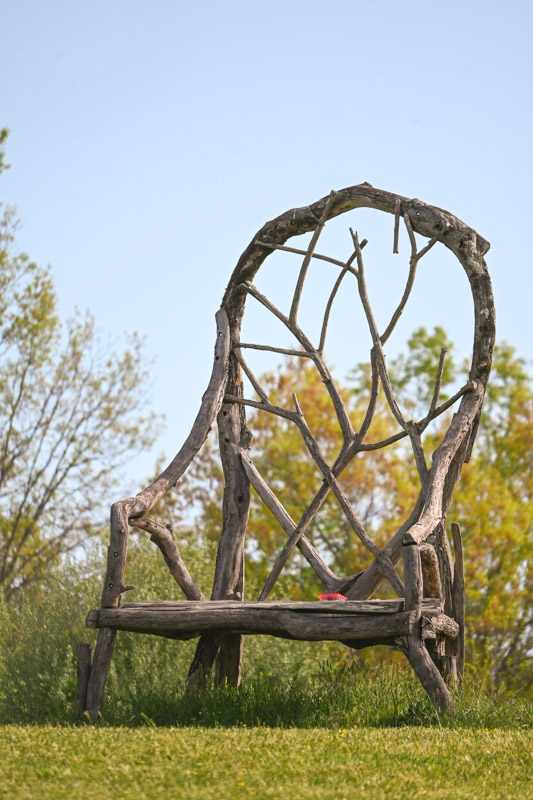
point(430, 606)
point(418, 656)
point(245, 620)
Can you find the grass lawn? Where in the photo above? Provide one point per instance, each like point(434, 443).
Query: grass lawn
point(100, 762)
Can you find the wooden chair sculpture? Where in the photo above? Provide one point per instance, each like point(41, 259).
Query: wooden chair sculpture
point(426, 622)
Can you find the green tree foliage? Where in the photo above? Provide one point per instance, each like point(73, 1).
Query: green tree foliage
point(492, 502)
point(71, 411)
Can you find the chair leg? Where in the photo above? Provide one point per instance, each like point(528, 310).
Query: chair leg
point(416, 652)
point(205, 654)
point(223, 649)
point(229, 659)
point(83, 672)
point(427, 672)
point(99, 671)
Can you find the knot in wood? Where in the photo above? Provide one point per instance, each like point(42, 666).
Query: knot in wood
point(427, 220)
point(247, 437)
point(484, 366)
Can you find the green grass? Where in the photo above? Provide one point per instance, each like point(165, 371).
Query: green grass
point(385, 697)
point(221, 763)
point(357, 733)
point(298, 727)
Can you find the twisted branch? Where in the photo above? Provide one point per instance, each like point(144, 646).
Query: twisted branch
point(408, 426)
point(282, 350)
point(164, 540)
point(329, 580)
point(357, 446)
point(378, 349)
point(438, 382)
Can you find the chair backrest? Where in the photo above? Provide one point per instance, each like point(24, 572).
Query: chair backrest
point(225, 400)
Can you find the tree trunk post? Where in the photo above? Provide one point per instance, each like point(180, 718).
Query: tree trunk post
point(229, 660)
point(200, 668)
point(458, 597)
point(113, 588)
point(99, 670)
point(418, 656)
point(83, 670)
point(444, 655)
point(229, 571)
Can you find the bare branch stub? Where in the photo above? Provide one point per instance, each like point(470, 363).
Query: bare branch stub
point(397, 211)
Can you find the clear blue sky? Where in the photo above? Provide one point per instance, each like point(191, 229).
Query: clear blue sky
point(150, 140)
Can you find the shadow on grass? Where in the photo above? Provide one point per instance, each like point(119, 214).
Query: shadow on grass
point(358, 696)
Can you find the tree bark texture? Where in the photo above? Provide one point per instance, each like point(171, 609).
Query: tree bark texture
point(240, 618)
point(99, 670)
point(229, 570)
point(83, 670)
point(430, 606)
point(458, 598)
point(416, 652)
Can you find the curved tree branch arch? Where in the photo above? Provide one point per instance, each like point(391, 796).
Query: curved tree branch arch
point(225, 401)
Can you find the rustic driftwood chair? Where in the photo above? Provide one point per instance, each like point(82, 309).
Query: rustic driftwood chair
point(426, 622)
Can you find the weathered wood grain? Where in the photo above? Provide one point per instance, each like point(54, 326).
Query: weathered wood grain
point(99, 670)
point(429, 606)
point(242, 619)
point(205, 654)
point(458, 598)
point(418, 656)
point(430, 571)
point(439, 625)
point(228, 584)
point(83, 670)
point(412, 572)
point(228, 660)
point(163, 538)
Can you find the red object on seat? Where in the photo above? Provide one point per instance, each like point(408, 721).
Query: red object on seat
point(331, 596)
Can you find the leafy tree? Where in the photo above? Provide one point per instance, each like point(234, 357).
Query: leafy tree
point(71, 410)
